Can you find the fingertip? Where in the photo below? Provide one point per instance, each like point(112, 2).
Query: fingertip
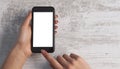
point(56, 27)
point(56, 21)
point(30, 14)
point(28, 18)
point(64, 55)
point(43, 51)
point(55, 32)
point(58, 57)
point(56, 16)
point(72, 55)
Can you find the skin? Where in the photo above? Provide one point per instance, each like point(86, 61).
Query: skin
point(22, 49)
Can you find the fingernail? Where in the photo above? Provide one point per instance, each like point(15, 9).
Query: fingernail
point(43, 51)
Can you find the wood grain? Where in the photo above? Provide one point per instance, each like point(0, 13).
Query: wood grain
point(89, 28)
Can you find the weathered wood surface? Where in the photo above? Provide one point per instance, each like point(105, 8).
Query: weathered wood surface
point(90, 28)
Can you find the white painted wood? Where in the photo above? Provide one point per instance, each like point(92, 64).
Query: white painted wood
point(89, 28)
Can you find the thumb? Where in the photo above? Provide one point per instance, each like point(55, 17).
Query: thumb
point(28, 19)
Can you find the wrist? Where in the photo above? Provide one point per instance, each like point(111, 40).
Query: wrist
point(15, 56)
point(24, 49)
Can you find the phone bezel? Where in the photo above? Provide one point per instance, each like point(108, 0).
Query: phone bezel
point(43, 9)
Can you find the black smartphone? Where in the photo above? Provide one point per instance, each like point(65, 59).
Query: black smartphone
point(43, 29)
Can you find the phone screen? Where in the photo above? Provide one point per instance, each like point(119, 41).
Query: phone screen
point(42, 29)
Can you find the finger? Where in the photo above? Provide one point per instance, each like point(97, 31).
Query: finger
point(28, 19)
point(74, 56)
point(56, 21)
point(62, 61)
point(52, 66)
point(55, 32)
point(56, 27)
point(67, 58)
point(56, 16)
point(50, 59)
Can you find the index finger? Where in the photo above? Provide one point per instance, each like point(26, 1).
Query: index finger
point(51, 60)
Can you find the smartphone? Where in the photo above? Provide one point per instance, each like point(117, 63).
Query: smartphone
point(42, 29)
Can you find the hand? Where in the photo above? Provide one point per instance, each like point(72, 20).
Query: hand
point(24, 39)
point(22, 49)
point(66, 62)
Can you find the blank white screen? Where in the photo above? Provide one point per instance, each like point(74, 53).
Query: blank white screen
point(42, 29)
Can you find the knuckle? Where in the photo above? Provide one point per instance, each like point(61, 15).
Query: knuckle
point(73, 62)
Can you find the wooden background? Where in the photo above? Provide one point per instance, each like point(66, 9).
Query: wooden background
point(90, 28)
